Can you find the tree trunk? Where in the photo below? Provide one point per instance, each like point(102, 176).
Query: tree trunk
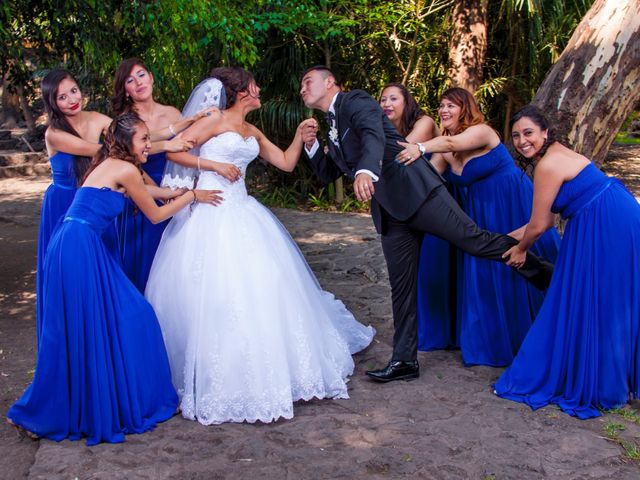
point(10, 108)
point(593, 86)
point(26, 110)
point(515, 47)
point(468, 46)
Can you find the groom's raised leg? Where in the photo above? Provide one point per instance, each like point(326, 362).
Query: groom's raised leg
point(440, 215)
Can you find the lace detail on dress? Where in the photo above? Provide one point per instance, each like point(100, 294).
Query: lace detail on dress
point(249, 331)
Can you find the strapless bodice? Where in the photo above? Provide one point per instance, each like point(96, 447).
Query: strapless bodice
point(96, 207)
point(496, 161)
point(228, 147)
point(62, 171)
point(581, 190)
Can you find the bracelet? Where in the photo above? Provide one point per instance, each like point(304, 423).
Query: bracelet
point(173, 132)
point(195, 198)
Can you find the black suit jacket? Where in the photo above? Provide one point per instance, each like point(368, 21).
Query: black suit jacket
point(368, 140)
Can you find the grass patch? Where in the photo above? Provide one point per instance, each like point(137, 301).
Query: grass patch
point(629, 414)
point(613, 429)
point(625, 139)
point(631, 450)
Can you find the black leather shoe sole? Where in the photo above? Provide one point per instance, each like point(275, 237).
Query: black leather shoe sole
point(382, 379)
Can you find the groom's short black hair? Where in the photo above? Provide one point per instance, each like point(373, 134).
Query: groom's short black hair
point(325, 70)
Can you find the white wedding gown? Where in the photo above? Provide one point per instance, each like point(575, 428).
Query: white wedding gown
point(247, 327)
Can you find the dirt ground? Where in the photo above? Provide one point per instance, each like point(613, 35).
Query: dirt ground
point(445, 425)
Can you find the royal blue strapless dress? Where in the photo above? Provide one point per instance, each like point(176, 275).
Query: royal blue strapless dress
point(138, 238)
point(495, 306)
point(55, 203)
point(582, 352)
point(102, 369)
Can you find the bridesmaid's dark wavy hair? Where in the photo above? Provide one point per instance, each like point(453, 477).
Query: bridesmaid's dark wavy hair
point(412, 111)
point(57, 119)
point(235, 80)
point(534, 114)
point(121, 102)
point(118, 141)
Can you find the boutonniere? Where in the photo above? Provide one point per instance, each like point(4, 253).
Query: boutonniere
point(333, 135)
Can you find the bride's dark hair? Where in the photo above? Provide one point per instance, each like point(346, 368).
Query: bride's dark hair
point(118, 141)
point(235, 80)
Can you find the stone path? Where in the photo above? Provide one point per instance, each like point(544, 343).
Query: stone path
point(445, 425)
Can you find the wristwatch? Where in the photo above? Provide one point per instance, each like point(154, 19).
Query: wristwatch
point(421, 148)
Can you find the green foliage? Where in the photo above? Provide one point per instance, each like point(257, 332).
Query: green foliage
point(526, 38)
point(278, 197)
point(626, 139)
point(367, 43)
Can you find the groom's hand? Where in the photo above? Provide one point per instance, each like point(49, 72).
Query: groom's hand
point(309, 132)
point(363, 187)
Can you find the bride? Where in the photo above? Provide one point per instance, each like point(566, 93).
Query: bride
point(248, 329)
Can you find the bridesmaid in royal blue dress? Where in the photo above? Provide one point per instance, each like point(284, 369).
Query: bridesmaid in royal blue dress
point(102, 369)
point(436, 277)
point(582, 351)
point(71, 139)
point(495, 306)
point(133, 92)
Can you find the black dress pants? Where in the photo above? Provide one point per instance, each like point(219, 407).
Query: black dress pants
point(441, 216)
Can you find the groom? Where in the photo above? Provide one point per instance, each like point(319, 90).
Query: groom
point(407, 202)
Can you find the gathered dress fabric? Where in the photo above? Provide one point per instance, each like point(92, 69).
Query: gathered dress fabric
point(582, 352)
point(138, 238)
point(495, 307)
point(102, 370)
point(248, 329)
point(55, 203)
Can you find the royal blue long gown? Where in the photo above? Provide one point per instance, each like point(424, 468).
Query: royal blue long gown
point(138, 238)
point(102, 369)
point(583, 351)
point(495, 306)
point(55, 204)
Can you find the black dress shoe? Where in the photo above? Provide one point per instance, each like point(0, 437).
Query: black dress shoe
point(396, 371)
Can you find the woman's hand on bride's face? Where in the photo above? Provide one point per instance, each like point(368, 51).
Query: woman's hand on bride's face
point(227, 170)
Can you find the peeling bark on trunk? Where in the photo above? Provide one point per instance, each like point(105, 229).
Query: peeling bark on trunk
point(468, 46)
point(594, 85)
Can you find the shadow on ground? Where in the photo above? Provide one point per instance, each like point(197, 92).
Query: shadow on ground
point(445, 425)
